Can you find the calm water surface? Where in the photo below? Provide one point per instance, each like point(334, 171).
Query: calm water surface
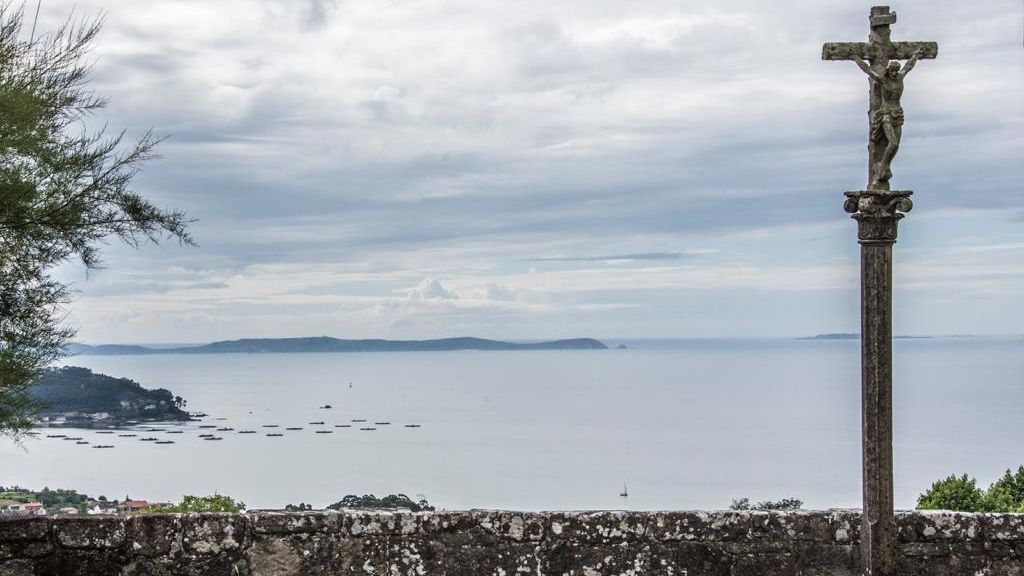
point(688, 424)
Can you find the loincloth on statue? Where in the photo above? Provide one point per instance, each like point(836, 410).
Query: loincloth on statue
point(879, 118)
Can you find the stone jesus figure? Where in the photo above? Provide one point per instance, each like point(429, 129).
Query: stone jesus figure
point(887, 120)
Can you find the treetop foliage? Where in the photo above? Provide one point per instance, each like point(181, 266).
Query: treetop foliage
point(50, 499)
point(215, 503)
point(962, 494)
point(64, 191)
point(369, 501)
point(784, 504)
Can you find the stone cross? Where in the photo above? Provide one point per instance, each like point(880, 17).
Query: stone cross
point(878, 210)
point(878, 58)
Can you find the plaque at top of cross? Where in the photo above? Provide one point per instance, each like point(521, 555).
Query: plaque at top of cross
point(879, 59)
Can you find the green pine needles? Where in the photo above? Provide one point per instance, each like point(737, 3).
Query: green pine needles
point(64, 190)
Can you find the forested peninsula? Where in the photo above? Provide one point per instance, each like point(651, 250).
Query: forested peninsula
point(79, 397)
point(328, 344)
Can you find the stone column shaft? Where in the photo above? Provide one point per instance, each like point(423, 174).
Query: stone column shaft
point(878, 214)
point(878, 529)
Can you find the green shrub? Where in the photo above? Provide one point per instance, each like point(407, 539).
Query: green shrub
point(784, 504)
point(953, 493)
point(963, 495)
point(215, 503)
point(370, 501)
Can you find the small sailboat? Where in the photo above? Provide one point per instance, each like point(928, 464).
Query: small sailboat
point(625, 492)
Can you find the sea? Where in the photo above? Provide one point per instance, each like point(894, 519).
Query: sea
point(683, 424)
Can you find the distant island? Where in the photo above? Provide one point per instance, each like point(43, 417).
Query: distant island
point(328, 344)
point(79, 397)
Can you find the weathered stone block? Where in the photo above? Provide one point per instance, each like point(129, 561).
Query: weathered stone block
point(274, 557)
point(437, 523)
point(16, 568)
point(288, 523)
point(682, 558)
point(619, 558)
point(82, 562)
point(927, 526)
point(1003, 527)
point(103, 533)
point(153, 535)
point(844, 525)
point(594, 528)
point(16, 529)
point(213, 533)
point(415, 557)
point(679, 526)
point(784, 527)
point(363, 523)
point(518, 527)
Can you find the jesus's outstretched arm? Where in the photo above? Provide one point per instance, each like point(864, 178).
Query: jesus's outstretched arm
point(866, 67)
point(910, 64)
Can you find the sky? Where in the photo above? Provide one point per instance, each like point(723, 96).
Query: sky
point(532, 169)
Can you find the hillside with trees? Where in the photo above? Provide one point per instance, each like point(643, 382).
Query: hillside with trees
point(77, 393)
point(389, 502)
point(328, 344)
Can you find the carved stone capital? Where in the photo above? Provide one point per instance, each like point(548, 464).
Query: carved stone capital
point(877, 213)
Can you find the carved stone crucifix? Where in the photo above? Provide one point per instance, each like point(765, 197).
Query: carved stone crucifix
point(877, 57)
point(878, 211)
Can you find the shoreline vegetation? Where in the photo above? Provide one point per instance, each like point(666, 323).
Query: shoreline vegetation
point(328, 344)
point(18, 501)
point(76, 397)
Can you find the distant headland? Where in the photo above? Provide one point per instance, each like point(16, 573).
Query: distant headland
point(328, 344)
point(80, 398)
point(855, 336)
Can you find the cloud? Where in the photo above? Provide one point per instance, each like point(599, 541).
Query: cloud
point(337, 153)
point(430, 289)
point(641, 256)
point(318, 13)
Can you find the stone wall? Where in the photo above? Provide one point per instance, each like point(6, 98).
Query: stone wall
point(502, 544)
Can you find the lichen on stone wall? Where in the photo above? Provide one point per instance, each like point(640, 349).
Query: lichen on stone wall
point(502, 543)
